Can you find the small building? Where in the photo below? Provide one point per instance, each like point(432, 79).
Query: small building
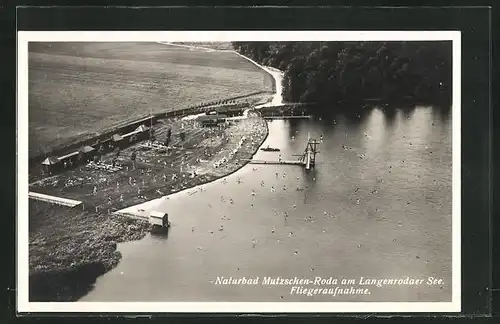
point(69, 159)
point(87, 153)
point(117, 138)
point(159, 219)
point(232, 109)
point(211, 120)
point(140, 133)
point(51, 164)
point(141, 129)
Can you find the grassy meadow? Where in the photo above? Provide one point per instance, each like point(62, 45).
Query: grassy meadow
point(77, 89)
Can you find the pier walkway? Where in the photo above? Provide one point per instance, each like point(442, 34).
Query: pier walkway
point(297, 162)
point(53, 199)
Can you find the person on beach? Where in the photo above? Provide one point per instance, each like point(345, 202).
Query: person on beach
point(273, 189)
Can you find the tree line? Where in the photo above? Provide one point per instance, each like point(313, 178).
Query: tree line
point(333, 72)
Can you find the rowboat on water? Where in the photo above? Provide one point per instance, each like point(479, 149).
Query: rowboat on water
point(270, 149)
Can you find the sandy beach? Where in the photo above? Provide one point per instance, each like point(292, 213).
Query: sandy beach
point(64, 242)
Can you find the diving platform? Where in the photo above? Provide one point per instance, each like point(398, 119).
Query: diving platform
point(306, 159)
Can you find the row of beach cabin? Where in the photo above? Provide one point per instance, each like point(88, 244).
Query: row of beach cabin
point(90, 152)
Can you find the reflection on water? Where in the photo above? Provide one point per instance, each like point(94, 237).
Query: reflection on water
point(377, 205)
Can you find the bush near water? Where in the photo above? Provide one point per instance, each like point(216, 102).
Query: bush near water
point(333, 72)
point(70, 248)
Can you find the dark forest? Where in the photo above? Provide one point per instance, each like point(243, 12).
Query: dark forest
point(356, 72)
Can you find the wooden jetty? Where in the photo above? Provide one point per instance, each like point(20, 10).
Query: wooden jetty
point(306, 159)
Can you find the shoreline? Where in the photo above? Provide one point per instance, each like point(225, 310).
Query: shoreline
point(79, 259)
point(210, 178)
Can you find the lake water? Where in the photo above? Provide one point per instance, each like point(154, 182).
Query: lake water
point(377, 205)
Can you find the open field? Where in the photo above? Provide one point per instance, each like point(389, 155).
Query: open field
point(77, 89)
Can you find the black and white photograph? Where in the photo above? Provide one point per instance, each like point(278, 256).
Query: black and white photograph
point(229, 171)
